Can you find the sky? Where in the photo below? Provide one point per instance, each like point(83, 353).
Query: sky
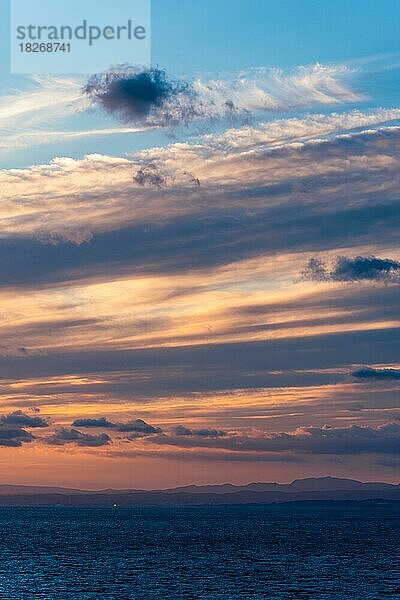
point(204, 287)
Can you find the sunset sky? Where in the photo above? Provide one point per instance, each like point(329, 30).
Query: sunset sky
point(212, 297)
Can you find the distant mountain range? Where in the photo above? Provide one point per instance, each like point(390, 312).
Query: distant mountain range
point(311, 489)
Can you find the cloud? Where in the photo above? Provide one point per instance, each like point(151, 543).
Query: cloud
point(312, 84)
point(245, 88)
point(207, 455)
point(22, 419)
point(100, 423)
point(150, 175)
point(14, 436)
point(158, 371)
point(315, 128)
point(359, 268)
point(157, 254)
point(142, 96)
point(378, 374)
point(150, 97)
point(104, 194)
point(181, 430)
point(139, 427)
point(24, 139)
point(76, 236)
point(65, 436)
point(131, 222)
point(325, 440)
point(26, 115)
point(50, 98)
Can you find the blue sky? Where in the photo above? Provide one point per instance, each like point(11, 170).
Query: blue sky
point(191, 36)
point(218, 35)
point(209, 39)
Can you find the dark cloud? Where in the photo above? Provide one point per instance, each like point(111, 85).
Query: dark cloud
point(209, 432)
point(136, 95)
point(384, 439)
point(139, 427)
point(379, 374)
point(22, 419)
point(154, 175)
point(149, 97)
point(101, 423)
point(359, 268)
point(192, 178)
point(73, 436)
point(150, 175)
point(182, 430)
point(14, 436)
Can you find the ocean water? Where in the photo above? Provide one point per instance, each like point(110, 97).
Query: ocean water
point(343, 551)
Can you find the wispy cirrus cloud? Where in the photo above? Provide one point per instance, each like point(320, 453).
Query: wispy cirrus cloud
point(150, 99)
point(49, 99)
point(149, 96)
point(25, 139)
point(34, 116)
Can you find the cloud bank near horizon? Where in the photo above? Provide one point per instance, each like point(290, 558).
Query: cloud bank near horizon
point(248, 445)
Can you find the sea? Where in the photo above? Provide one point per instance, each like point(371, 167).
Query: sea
point(332, 550)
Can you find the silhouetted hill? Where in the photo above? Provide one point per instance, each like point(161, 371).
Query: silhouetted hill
point(311, 484)
point(310, 489)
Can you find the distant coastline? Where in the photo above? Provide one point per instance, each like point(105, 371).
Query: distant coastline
point(301, 490)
